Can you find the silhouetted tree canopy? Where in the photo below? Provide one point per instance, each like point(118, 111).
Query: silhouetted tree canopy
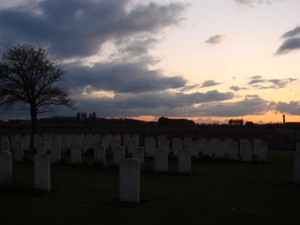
point(27, 80)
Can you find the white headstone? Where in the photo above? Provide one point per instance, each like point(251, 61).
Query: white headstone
point(36, 140)
point(184, 161)
point(132, 143)
point(214, 141)
point(105, 141)
point(161, 160)
point(109, 136)
point(13, 140)
point(41, 148)
point(55, 139)
point(150, 147)
point(99, 153)
point(139, 153)
point(207, 148)
point(164, 144)
point(194, 147)
point(256, 148)
point(75, 154)
point(298, 146)
point(227, 141)
point(219, 147)
point(262, 152)
point(75, 140)
point(97, 139)
point(186, 142)
point(5, 146)
point(118, 154)
point(242, 141)
point(5, 167)
point(116, 141)
point(233, 151)
point(177, 145)
point(18, 152)
point(201, 141)
point(55, 152)
point(42, 171)
point(25, 140)
point(64, 144)
point(129, 186)
point(160, 141)
point(47, 140)
point(126, 139)
point(246, 151)
point(86, 144)
point(4, 138)
point(297, 167)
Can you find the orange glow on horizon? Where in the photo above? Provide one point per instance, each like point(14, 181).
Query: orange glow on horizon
point(269, 117)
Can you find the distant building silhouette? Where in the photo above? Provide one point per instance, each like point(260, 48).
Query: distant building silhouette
point(283, 117)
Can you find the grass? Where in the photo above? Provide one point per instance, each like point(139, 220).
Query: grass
point(216, 193)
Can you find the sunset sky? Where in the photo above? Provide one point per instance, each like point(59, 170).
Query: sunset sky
point(206, 60)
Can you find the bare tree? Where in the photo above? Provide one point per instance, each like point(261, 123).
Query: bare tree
point(27, 80)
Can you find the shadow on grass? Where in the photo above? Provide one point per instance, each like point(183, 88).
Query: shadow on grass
point(116, 202)
point(20, 189)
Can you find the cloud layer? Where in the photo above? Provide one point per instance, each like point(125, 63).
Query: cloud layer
point(216, 39)
point(118, 36)
point(292, 42)
point(81, 28)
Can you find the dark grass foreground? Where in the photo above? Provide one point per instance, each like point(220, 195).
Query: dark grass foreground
point(216, 193)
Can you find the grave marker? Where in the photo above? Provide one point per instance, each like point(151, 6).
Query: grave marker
point(41, 148)
point(118, 154)
point(262, 152)
point(18, 151)
point(55, 152)
point(161, 160)
point(233, 151)
point(150, 147)
point(139, 153)
point(99, 154)
point(129, 185)
point(297, 167)
point(5, 145)
point(75, 154)
point(42, 172)
point(5, 167)
point(184, 161)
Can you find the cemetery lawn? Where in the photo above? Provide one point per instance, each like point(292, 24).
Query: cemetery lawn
point(216, 193)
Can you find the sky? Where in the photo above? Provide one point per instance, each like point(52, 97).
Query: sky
point(209, 60)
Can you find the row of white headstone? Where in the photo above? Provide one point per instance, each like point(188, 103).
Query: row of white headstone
point(77, 145)
point(160, 154)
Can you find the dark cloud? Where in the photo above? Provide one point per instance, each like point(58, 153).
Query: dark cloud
point(81, 28)
point(277, 83)
point(292, 108)
point(216, 39)
point(237, 88)
point(255, 80)
point(188, 88)
point(261, 83)
point(289, 45)
point(151, 103)
point(253, 2)
point(120, 77)
point(249, 106)
point(136, 47)
point(209, 83)
point(292, 33)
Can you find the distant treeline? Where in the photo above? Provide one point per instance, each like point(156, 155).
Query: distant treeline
point(92, 119)
point(166, 121)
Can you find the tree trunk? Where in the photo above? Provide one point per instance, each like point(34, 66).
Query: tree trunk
point(33, 114)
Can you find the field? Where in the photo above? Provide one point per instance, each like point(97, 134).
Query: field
point(216, 193)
